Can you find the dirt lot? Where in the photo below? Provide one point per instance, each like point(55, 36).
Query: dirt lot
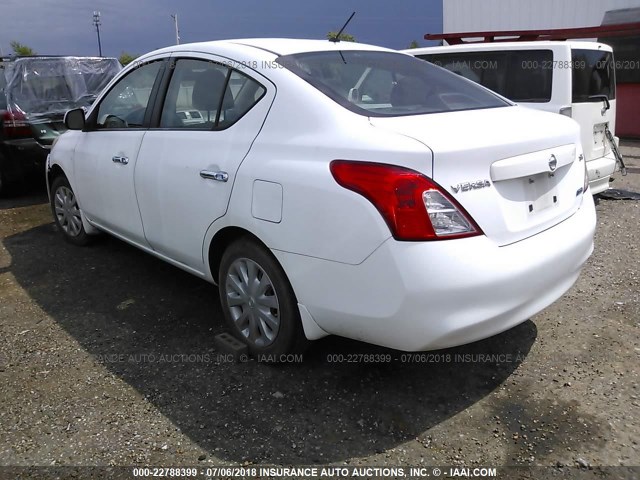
point(107, 358)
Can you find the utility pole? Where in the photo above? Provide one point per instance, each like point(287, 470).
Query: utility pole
point(96, 22)
point(175, 24)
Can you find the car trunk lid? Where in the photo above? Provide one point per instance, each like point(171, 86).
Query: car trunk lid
point(512, 169)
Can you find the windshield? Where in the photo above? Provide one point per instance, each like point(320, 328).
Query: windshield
point(385, 84)
point(55, 84)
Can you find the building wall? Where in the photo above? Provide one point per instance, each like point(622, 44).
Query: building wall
point(494, 15)
point(483, 15)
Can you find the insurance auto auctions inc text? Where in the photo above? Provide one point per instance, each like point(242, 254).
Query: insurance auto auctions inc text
point(360, 472)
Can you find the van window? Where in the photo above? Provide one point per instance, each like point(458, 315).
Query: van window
point(593, 74)
point(521, 76)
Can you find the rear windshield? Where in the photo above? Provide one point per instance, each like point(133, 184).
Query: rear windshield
point(593, 74)
point(521, 75)
point(386, 84)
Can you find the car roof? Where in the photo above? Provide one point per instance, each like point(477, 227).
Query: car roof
point(288, 46)
point(275, 46)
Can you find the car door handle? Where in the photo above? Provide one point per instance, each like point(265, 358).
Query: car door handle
point(119, 159)
point(219, 176)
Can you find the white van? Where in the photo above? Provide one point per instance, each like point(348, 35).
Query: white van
point(573, 78)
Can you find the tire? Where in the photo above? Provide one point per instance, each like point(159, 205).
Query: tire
point(258, 303)
point(66, 213)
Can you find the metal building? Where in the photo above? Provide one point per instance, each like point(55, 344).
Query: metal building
point(500, 15)
point(483, 15)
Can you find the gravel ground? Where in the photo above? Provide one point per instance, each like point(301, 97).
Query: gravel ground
point(107, 358)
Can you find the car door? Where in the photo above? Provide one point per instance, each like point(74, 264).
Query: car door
point(187, 165)
point(105, 156)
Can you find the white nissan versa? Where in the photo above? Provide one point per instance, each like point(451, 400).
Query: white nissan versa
point(331, 188)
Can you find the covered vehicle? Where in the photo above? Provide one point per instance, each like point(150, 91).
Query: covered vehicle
point(35, 94)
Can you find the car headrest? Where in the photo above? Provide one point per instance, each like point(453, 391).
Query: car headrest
point(206, 91)
point(409, 91)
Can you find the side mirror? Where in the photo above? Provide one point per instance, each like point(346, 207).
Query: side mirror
point(74, 119)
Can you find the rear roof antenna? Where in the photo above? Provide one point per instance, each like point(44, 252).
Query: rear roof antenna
point(337, 37)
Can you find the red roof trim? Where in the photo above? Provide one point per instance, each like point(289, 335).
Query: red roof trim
point(602, 31)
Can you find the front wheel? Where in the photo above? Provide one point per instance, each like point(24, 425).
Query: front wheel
point(66, 212)
point(258, 302)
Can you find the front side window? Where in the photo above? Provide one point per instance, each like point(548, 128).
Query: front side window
point(593, 74)
point(384, 84)
point(205, 95)
point(126, 103)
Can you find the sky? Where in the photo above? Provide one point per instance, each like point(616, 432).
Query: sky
point(64, 27)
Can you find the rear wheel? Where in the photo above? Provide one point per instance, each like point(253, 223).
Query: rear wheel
point(66, 212)
point(258, 302)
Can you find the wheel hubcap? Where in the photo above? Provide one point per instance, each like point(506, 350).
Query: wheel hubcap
point(252, 302)
point(67, 211)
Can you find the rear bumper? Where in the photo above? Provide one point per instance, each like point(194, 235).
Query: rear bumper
point(428, 295)
point(600, 170)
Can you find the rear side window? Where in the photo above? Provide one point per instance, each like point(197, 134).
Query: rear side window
point(241, 94)
point(593, 74)
point(386, 84)
point(521, 76)
point(193, 98)
point(205, 95)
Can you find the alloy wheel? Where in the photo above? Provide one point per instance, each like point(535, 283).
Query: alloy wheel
point(67, 211)
point(252, 302)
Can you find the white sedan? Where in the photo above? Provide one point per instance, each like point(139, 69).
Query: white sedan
point(331, 188)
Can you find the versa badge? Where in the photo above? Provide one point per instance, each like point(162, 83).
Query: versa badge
point(467, 186)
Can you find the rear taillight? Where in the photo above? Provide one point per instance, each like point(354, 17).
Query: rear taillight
point(414, 206)
point(15, 124)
